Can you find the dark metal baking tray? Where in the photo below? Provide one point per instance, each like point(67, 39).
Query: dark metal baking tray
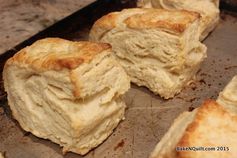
point(148, 116)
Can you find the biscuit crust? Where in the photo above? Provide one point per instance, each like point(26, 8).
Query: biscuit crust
point(143, 18)
point(212, 126)
point(57, 54)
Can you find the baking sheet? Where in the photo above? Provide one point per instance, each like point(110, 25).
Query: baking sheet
point(148, 116)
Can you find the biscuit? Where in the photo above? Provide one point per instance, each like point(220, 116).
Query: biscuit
point(159, 49)
point(67, 92)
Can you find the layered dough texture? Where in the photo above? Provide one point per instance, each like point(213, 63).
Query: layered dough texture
point(228, 97)
point(158, 48)
point(208, 9)
point(68, 92)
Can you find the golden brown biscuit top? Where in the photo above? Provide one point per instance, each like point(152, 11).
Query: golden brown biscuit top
point(213, 126)
point(153, 18)
point(160, 3)
point(56, 54)
point(144, 18)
